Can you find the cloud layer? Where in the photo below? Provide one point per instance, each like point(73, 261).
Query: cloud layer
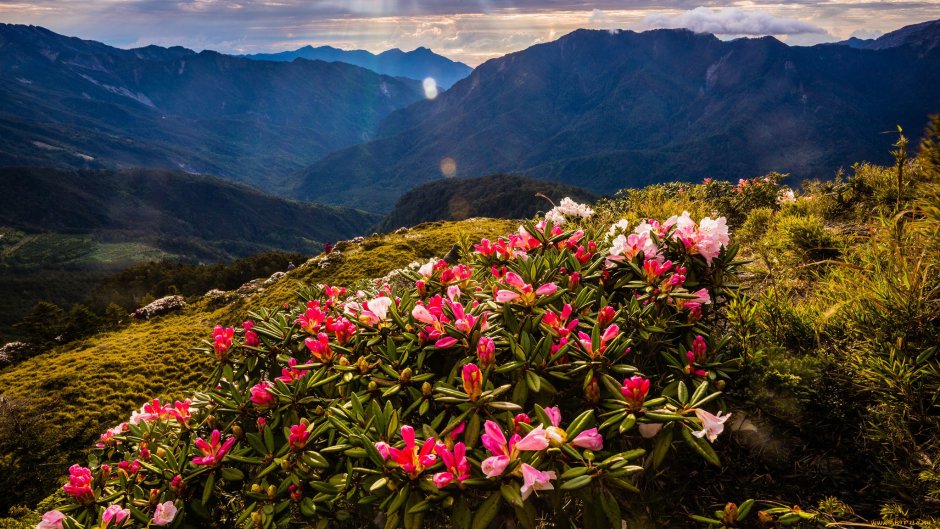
point(467, 30)
point(731, 21)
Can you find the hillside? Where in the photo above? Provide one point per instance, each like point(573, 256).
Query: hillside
point(418, 64)
point(155, 357)
point(605, 110)
point(64, 231)
point(823, 359)
point(66, 102)
point(494, 196)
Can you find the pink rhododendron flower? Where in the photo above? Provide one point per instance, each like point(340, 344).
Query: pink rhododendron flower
point(712, 425)
point(412, 459)
point(589, 439)
point(79, 485)
point(222, 341)
point(472, 381)
point(503, 451)
point(456, 465)
point(214, 450)
point(587, 344)
point(635, 389)
point(261, 395)
point(151, 411)
point(291, 374)
point(164, 513)
point(181, 411)
point(371, 313)
point(51, 520)
point(558, 324)
point(533, 479)
point(311, 321)
point(320, 348)
point(486, 351)
point(700, 348)
point(522, 291)
point(251, 337)
point(298, 436)
point(649, 429)
point(115, 515)
point(534, 441)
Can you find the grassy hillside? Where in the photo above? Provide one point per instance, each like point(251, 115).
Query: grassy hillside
point(494, 196)
point(53, 395)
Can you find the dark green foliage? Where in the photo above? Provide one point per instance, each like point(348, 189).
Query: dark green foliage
point(93, 106)
point(494, 196)
point(129, 287)
point(43, 325)
point(196, 216)
point(62, 232)
point(606, 111)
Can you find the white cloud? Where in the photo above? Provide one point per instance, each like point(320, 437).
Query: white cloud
point(731, 21)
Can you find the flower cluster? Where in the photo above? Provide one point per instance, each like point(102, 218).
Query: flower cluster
point(486, 388)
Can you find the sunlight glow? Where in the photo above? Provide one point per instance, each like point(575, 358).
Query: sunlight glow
point(430, 88)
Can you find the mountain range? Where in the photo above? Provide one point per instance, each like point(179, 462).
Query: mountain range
point(606, 110)
point(601, 110)
point(67, 102)
point(419, 63)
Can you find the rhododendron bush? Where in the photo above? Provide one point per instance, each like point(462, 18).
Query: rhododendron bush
point(541, 377)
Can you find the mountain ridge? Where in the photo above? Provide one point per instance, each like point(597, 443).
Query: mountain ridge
point(205, 112)
point(605, 110)
point(418, 64)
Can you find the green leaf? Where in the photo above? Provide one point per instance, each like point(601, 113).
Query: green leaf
point(207, 488)
point(232, 474)
point(533, 381)
point(576, 483)
point(663, 442)
point(682, 393)
point(487, 511)
point(701, 446)
point(511, 494)
point(462, 517)
point(580, 423)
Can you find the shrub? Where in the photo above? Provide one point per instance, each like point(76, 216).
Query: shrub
point(529, 380)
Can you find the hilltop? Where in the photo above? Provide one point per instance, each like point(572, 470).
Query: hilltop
point(494, 196)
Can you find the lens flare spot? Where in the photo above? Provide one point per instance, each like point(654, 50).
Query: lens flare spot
point(430, 88)
point(448, 167)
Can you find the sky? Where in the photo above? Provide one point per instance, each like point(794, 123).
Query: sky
point(470, 31)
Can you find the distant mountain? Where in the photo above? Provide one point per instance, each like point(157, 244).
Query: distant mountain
point(923, 37)
point(416, 64)
point(606, 110)
point(495, 196)
point(68, 102)
point(201, 218)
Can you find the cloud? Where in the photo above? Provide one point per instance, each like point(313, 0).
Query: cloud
point(468, 30)
point(731, 21)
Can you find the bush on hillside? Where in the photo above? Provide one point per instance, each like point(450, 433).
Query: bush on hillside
point(529, 382)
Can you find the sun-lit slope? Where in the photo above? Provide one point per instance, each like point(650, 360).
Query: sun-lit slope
point(77, 391)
